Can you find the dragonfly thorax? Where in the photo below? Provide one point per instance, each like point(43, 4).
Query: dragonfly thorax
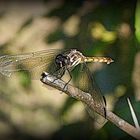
point(69, 59)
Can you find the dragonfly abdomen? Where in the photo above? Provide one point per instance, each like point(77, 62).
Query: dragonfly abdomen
point(98, 59)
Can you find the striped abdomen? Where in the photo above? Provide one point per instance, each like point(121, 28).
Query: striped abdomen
point(107, 60)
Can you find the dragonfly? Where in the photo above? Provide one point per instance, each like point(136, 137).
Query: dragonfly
point(36, 62)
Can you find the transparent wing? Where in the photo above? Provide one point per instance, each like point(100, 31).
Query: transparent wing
point(34, 62)
point(87, 83)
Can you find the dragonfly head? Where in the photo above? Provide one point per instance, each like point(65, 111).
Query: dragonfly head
point(61, 60)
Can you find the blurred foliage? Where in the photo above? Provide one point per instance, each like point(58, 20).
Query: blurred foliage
point(102, 28)
point(137, 21)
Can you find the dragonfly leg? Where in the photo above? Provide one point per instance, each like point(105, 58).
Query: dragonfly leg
point(105, 112)
point(104, 100)
point(105, 106)
point(57, 73)
point(68, 80)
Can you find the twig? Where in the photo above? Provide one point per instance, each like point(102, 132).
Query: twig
point(133, 114)
point(87, 99)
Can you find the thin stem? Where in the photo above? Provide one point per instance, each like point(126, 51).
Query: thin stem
point(87, 99)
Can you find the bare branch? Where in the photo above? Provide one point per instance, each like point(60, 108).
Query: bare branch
point(87, 99)
point(134, 117)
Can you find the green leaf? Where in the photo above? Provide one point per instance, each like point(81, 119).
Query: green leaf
point(137, 21)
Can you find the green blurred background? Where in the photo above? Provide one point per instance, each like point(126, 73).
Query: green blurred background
point(31, 111)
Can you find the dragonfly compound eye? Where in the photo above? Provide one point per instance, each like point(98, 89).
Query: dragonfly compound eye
point(61, 60)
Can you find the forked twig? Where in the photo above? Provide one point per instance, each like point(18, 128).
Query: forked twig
point(87, 99)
